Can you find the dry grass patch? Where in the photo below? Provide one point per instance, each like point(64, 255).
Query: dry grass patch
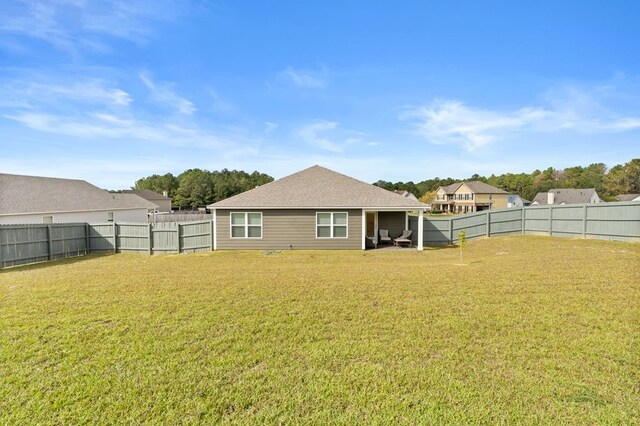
point(529, 330)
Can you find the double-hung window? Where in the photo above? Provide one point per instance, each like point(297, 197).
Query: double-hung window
point(246, 225)
point(331, 225)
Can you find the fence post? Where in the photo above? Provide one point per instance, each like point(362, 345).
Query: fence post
point(1, 239)
point(150, 238)
point(178, 239)
point(451, 231)
point(584, 221)
point(49, 242)
point(115, 238)
point(211, 234)
point(550, 220)
point(522, 210)
point(488, 224)
point(87, 239)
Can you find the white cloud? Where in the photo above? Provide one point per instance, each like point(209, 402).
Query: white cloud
point(269, 127)
point(329, 136)
point(27, 93)
point(219, 104)
point(92, 111)
point(99, 125)
point(74, 26)
point(307, 79)
point(452, 121)
point(164, 94)
point(312, 134)
point(566, 109)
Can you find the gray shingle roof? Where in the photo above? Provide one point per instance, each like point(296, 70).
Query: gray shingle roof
point(405, 193)
point(475, 185)
point(627, 197)
point(147, 194)
point(317, 187)
point(34, 194)
point(450, 189)
point(566, 196)
point(483, 188)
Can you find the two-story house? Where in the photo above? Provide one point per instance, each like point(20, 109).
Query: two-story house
point(473, 196)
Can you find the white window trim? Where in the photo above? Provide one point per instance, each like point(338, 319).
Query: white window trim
point(113, 217)
point(246, 227)
point(43, 217)
point(331, 225)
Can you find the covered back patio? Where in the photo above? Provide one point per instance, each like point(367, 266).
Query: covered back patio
point(393, 221)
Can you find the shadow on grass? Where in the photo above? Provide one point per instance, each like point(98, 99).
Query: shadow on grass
point(55, 262)
point(436, 248)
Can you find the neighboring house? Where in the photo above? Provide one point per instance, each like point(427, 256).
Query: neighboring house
point(567, 196)
point(406, 194)
point(315, 208)
point(161, 200)
point(445, 198)
point(473, 196)
point(628, 197)
point(514, 201)
point(35, 199)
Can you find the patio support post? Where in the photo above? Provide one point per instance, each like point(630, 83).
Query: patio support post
point(420, 229)
point(364, 229)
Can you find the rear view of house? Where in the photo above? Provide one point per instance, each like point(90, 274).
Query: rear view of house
point(35, 199)
point(315, 208)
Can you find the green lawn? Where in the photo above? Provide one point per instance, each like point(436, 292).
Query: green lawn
point(530, 330)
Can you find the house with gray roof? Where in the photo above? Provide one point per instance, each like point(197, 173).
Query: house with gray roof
point(472, 196)
point(566, 196)
point(406, 194)
point(36, 199)
point(628, 197)
point(315, 208)
point(161, 200)
point(516, 201)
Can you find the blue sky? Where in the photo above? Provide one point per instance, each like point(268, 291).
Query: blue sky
point(114, 91)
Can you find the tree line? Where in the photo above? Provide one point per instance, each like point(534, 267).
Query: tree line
point(197, 188)
point(620, 179)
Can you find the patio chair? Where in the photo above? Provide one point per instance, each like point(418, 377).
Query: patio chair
point(384, 237)
point(370, 243)
point(403, 239)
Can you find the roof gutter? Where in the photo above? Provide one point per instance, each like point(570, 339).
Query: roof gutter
point(77, 211)
point(399, 208)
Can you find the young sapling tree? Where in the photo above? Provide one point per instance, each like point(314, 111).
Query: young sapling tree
point(462, 242)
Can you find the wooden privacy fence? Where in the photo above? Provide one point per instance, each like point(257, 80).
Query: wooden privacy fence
point(181, 217)
point(23, 244)
point(607, 221)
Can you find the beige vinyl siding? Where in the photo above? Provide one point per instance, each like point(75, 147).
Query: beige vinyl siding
point(393, 221)
point(497, 201)
point(289, 228)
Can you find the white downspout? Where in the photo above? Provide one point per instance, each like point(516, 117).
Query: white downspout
point(420, 229)
point(364, 229)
